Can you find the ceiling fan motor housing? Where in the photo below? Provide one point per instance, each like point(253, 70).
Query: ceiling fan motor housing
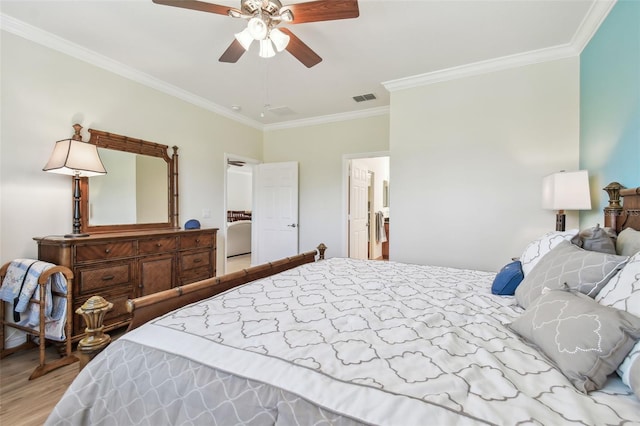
point(271, 7)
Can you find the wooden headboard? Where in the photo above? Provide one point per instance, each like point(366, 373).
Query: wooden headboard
point(626, 215)
point(235, 215)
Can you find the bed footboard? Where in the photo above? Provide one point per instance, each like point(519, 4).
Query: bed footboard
point(148, 307)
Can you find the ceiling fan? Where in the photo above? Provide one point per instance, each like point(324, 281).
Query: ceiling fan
point(264, 16)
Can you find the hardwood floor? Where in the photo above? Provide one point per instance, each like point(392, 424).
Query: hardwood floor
point(237, 263)
point(29, 402)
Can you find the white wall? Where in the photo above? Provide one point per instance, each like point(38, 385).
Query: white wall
point(44, 92)
point(467, 156)
point(319, 150)
point(467, 161)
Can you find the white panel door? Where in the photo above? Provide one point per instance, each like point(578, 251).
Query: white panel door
point(275, 216)
point(358, 212)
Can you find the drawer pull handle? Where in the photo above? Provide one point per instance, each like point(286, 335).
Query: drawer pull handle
point(158, 245)
point(108, 278)
point(107, 250)
point(197, 260)
point(197, 240)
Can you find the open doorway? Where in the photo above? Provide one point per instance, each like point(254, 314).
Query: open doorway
point(367, 206)
point(239, 212)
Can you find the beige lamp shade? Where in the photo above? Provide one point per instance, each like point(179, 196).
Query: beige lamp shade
point(566, 191)
point(74, 157)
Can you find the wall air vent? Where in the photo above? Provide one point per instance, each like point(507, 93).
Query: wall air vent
point(364, 98)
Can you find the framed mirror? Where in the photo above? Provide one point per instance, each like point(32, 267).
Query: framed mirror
point(139, 191)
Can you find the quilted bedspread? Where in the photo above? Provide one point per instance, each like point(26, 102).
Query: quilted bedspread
point(340, 341)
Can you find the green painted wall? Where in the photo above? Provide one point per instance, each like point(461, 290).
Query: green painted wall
point(610, 105)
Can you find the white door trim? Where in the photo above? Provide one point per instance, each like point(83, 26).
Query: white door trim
point(223, 228)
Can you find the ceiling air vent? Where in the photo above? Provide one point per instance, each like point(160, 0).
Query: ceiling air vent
point(281, 110)
point(363, 98)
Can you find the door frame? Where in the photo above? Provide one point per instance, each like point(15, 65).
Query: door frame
point(346, 159)
point(248, 161)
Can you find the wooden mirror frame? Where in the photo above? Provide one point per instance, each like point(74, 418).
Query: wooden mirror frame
point(136, 146)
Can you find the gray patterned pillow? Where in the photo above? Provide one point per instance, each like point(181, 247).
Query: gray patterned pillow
point(596, 239)
point(569, 266)
point(585, 340)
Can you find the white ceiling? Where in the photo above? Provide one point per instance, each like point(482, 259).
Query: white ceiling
point(177, 50)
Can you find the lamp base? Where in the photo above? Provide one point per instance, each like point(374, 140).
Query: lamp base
point(76, 235)
point(560, 221)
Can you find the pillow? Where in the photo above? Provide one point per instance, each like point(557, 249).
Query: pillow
point(536, 249)
point(623, 292)
point(585, 340)
point(628, 242)
point(507, 279)
point(596, 239)
point(629, 370)
point(569, 266)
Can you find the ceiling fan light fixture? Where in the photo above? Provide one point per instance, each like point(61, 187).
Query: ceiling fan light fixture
point(280, 40)
point(286, 15)
point(258, 28)
point(266, 49)
point(245, 38)
point(235, 13)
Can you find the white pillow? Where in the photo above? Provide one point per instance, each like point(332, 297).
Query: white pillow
point(632, 361)
point(623, 292)
point(628, 242)
point(537, 248)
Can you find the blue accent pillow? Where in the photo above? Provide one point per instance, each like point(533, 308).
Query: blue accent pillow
point(508, 279)
point(192, 224)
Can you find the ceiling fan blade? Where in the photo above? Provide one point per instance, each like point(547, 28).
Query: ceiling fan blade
point(301, 51)
point(323, 10)
point(196, 5)
point(233, 52)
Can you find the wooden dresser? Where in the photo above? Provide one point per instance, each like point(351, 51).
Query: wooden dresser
point(125, 265)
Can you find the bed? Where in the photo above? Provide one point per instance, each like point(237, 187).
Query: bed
point(345, 341)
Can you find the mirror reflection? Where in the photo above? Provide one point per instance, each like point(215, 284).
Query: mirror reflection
point(134, 190)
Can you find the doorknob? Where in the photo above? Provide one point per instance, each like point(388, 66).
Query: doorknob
point(293, 225)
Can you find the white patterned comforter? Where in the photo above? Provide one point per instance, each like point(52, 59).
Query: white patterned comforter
point(338, 342)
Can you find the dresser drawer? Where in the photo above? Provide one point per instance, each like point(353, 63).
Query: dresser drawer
point(104, 251)
point(196, 241)
point(103, 277)
point(192, 260)
point(157, 245)
point(193, 275)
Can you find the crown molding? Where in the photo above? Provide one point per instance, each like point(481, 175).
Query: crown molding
point(588, 27)
point(590, 23)
point(323, 119)
point(36, 35)
point(596, 15)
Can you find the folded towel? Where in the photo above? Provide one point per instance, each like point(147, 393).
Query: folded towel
point(381, 234)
